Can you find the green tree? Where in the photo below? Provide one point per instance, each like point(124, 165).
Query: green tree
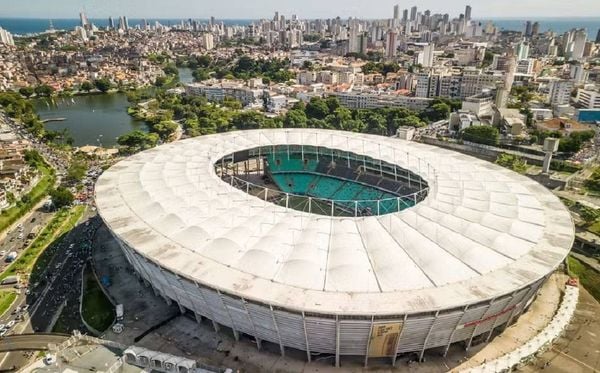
point(61, 197)
point(43, 90)
point(103, 84)
point(76, 172)
point(248, 120)
point(390, 68)
point(438, 111)
point(375, 123)
point(340, 119)
point(408, 121)
point(332, 103)
point(482, 135)
point(171, 70)
point(138, 140)
point(295, 119)
point(160, 81)
point(512, 162)
point(165, 129)
point(317, 108)
point(86, 86)
point(204, 61)
point(27, 91)
point(200, 74)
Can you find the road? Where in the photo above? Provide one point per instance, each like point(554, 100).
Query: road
point(12, 242)
point(33, 342)
point(60, 282)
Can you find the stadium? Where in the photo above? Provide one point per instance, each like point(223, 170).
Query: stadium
point(335, 243)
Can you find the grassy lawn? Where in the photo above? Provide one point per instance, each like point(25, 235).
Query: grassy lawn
point(595, 228)
point(7, 297)
point(96, 308)
point(588, 277)
point(35, 195)
point(61, 324)
point(60, 224)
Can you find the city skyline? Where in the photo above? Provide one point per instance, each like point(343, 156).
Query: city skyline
point(238, 9)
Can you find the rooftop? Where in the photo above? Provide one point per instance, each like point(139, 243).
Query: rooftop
point(482, 232)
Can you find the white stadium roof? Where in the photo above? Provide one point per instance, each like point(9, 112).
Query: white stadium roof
point(482, 232)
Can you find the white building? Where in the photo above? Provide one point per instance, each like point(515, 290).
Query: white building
point(275, 104)
point(6, 37)
point(560, 92)
point(358, 100)
point(525, 66)
point(589, 97)
point(577, 47)
point(579, 74)
point(208, 41)
point(480, 105)
point(307, 77)
point(462, 120)
point(425, 57)
point(219, 91)
point(522, 50)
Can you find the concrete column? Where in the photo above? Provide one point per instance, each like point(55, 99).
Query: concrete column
point(337, 342)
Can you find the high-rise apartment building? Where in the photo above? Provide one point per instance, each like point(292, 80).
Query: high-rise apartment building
point(528, 29)
point(208, 41)
point(560, 92)
point(391, 44)
point(6, 37)
point(413, 13)
point(468, 13)
point(522, 50)
point(588, 98)
point(396, 11)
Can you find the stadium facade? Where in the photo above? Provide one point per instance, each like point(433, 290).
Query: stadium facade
point(440, 248)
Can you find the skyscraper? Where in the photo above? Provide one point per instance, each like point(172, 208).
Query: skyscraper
point(413, 13)
point(528, 28)
point(535, 29)
point(390, 47)
point(396, 11)
point(111, 23)
point(6, 37)
point(522, 50)
point(405, 16)
point(468, 13)
point(83, 19)
point(598, 37)
point(578, 44)
point(425, 57)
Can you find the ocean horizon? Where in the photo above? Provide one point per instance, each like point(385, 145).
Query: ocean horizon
point(25, 26)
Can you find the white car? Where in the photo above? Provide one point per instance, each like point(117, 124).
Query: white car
point(3, 332)
point(2, 253)
point(10, 324)
point(49, 359)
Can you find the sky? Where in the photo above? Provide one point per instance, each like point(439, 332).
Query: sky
point(254, 9)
